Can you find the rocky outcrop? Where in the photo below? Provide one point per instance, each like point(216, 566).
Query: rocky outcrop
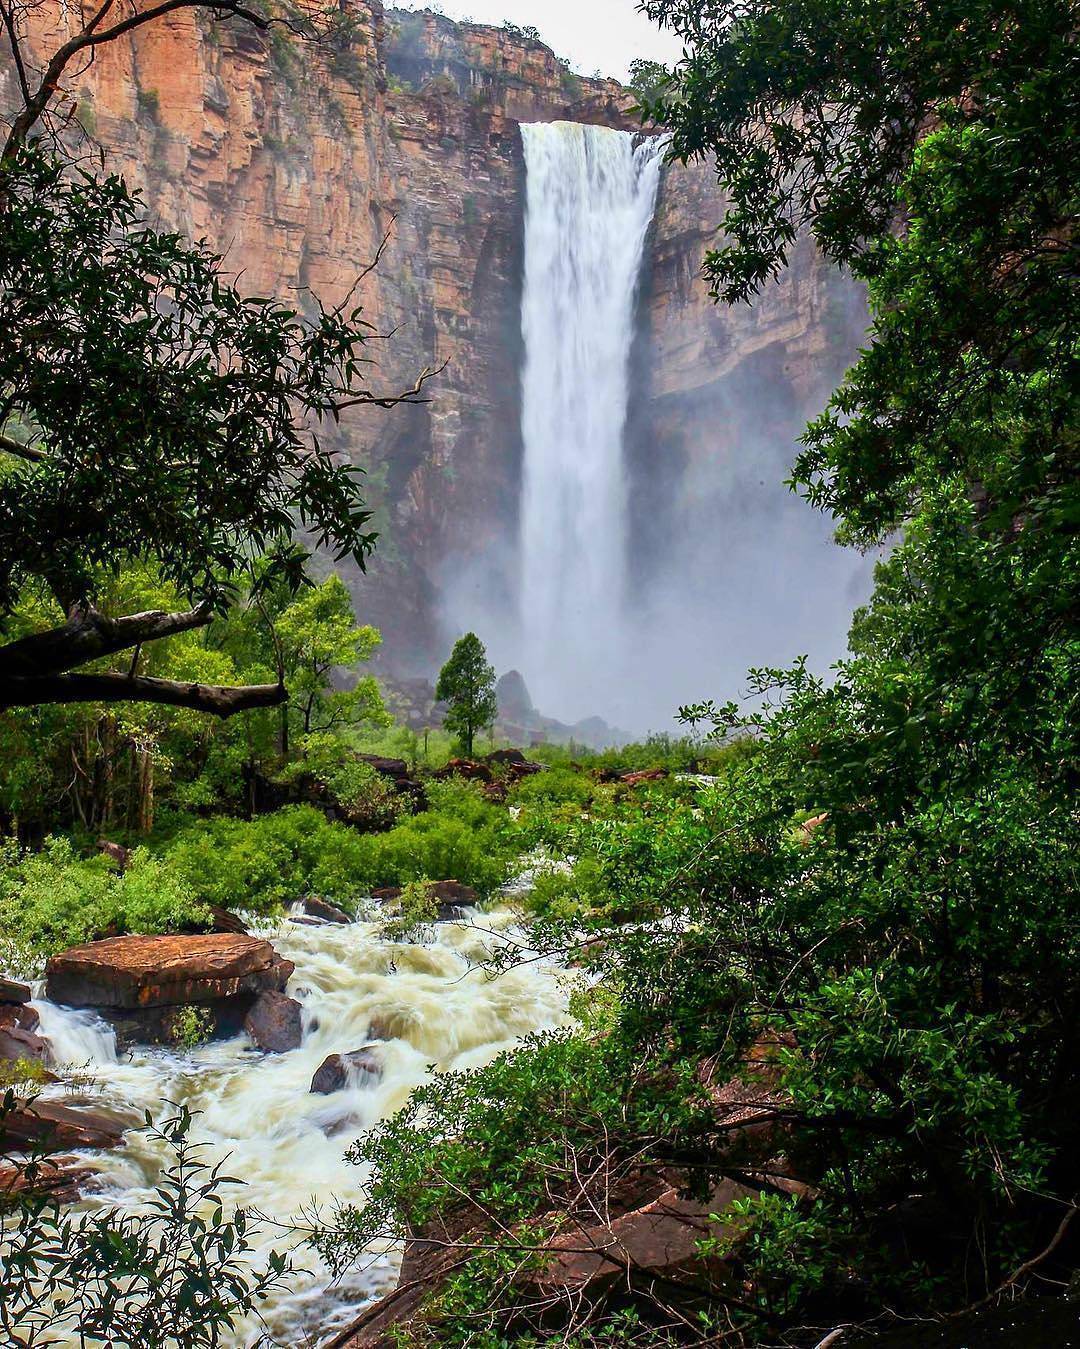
point(139, 972)
point(450, 899)
point(18, 1033)
point(315, 907)
point(56, 1180)
point(51, 1127)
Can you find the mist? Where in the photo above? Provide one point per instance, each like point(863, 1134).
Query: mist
point(656, 553)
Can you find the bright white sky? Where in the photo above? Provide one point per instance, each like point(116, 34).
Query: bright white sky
point(604, 35)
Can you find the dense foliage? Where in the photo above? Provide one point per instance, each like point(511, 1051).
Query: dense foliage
point(179, 1273)
point(881, 898)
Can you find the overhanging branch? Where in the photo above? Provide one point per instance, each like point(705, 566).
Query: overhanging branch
point(88, 635)
point(215, 699)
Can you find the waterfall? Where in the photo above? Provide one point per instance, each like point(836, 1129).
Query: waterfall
point(591, 194)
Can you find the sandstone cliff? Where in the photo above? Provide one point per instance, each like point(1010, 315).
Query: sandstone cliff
point(295, 161)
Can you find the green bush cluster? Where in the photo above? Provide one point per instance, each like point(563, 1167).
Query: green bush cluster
point(56, 898)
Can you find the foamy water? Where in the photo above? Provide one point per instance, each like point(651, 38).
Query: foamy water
point(256, 1111)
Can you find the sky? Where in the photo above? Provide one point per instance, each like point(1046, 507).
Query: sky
point(604, 35)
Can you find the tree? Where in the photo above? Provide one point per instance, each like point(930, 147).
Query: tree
point(467, 685)
point(318, 633)
point(647, 78)
point(149, 412)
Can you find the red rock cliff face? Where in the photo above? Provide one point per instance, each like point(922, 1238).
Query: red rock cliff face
point(295, 161)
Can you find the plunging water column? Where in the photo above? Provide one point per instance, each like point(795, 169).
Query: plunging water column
point(591, 193)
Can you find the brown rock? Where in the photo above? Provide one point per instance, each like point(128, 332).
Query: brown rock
point(469, 769)
point(139, 972)
point(18, 1040)
point(274, 1022)
point(61, 1180)
point(315, 907)
point(220, 920)
point(12, 991)
point(514, 762)
point(338, 1071)
point(54, 1127)
point(116, 851)
point(644, 775)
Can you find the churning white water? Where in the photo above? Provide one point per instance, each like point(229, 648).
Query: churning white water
point(591, 193)
point(433, 1000)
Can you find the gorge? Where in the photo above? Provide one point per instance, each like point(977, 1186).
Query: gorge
point(295, 160)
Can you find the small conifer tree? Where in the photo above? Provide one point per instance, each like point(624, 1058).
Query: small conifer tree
point(467, 685)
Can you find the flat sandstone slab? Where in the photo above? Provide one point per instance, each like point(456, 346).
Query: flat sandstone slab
point(133, 972)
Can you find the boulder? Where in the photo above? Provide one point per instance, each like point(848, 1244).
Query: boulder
point(145, 972)
point(338, 1071)
point(514, 763)
point(12, 991)
point(451, 898)
point(315, 907)
point(469, 769)
point(220, 920)
point(274, 1022)
point(53, 1127)
point(18, 1038)
point(115, 851)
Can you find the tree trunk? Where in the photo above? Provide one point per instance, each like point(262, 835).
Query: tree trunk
point(146, 789)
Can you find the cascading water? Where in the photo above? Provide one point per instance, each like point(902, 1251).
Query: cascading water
point(255, 1113)
point(591, 194)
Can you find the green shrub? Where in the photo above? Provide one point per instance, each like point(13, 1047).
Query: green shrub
point(413, 910)
point(55, 898)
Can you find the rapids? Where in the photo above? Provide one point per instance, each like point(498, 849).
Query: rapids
point(256, 1112)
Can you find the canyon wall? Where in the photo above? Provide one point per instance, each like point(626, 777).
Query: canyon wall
point(295, 160)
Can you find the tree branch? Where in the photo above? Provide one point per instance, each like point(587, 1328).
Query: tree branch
point(88, 635)
point(216, 699)
point(10, 446)
point(35, 104)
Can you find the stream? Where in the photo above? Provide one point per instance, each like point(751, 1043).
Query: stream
point(256, 1112)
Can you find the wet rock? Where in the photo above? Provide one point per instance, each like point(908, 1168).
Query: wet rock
point(220, 920)
point(451, 898)
point(60, 1180)
point(274, 1022)
point(380, 1027)
point(146, 972)
point(470, 769)
point(12, 991)
point(315, 907)
point(53, 1127)
point(338, 1071)
point(18, 1038)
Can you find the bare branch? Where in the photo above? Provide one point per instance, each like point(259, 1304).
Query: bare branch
point(88, 635)
point(216, 699)
point(28, 452)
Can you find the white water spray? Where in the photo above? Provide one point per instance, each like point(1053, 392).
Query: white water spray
point(591, 193)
